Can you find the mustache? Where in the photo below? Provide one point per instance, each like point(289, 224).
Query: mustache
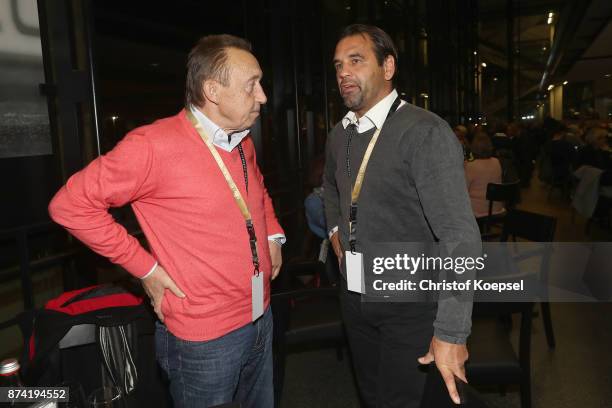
point(348, 82)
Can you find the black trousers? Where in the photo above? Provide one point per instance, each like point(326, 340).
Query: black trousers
point(385, 340)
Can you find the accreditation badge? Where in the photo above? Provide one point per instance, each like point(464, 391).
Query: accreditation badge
point(354, 271)
point(257, 295)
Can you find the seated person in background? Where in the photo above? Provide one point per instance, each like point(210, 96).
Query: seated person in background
point(484, 169)
point(313, 204)
point(315, 217)
point(596, 152)
point(501, 140)
point(461, 132)
point(503, 149)
point(574, 135)
point(560, 151)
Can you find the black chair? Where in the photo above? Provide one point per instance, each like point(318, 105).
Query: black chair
point(538, 228)
point(507, 193)
point(304, 317)
point(492, 360)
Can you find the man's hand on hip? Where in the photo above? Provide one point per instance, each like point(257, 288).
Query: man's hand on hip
point(337, 246)
point(155, 285)
point(276, 256)
point(450, 360)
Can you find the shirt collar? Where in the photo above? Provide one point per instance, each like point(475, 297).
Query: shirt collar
point(219, 137)
point(375, 117)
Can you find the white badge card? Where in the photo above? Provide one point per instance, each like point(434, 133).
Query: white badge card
point(257, 295)
point(354, 271)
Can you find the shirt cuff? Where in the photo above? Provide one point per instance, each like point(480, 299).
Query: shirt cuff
point(279, 239)
point(150, 272)
point(332, 231)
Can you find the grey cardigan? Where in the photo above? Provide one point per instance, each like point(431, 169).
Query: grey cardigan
point(414, 191)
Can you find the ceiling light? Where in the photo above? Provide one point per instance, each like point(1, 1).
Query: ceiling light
point(564, 82)
point(495, 79)
point(551, 86)
point(484, 64)
point(424, 95)
point(475, 52)
point(608, 75)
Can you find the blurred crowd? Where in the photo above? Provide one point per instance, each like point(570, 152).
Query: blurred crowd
point(559, 152)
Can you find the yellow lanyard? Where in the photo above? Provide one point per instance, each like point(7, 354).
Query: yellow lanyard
point(362, 168)
point(244, 209)
point(359, 180)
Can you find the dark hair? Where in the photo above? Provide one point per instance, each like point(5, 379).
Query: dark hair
point(383, 44)
point(481, 145)
point(208, 60)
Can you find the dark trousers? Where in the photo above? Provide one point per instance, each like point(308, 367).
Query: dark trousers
point(385, 340)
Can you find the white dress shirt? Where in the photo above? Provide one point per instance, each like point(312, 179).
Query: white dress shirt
point(220, 138)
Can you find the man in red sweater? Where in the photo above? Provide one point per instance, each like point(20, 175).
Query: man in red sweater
point(214, 248)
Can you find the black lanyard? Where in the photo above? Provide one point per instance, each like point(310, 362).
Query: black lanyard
point(244, 167)
point(249, 224)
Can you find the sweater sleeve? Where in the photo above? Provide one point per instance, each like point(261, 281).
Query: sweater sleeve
point(272, 224)
point(437, 166)
point(113, 180)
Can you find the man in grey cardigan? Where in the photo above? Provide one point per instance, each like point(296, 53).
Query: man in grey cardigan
point(413, 191)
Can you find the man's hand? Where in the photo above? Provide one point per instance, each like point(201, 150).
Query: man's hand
point(276, 256)
point(155, 285)
point(450, 359)
point(337, 246)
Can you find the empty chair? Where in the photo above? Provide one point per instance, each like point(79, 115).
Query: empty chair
point(493, 360)
point(506, 193)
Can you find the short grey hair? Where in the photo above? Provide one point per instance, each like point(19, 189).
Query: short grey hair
point(208, 60)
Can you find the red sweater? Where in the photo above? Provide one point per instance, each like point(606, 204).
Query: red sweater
point(186, 210)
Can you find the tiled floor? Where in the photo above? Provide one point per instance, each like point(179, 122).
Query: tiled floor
point(578, 373)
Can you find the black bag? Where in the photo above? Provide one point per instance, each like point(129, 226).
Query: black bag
point(97, 336)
